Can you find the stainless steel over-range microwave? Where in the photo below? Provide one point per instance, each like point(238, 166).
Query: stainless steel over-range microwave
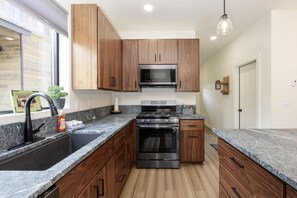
point(157, 75)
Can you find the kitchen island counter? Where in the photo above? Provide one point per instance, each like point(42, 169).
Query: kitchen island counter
point(273, 149)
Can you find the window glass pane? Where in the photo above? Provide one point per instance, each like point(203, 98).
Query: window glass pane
point(37, 64)
point(10, 66)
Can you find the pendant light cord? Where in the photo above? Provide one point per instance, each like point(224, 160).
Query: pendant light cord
point(224, 8)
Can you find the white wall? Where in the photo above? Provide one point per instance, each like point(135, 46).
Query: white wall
point(221, 110)
point(155, 94)
point(284, 69)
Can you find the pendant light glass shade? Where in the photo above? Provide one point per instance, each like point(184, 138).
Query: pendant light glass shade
point(225, 25)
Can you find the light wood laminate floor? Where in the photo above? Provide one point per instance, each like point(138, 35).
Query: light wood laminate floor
point(190, 181)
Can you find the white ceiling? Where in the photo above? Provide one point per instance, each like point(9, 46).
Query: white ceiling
point(201, 16)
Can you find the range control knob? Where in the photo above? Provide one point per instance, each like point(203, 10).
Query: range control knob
point(147, 121)
point(157, 120)
point(142, 120)
point(166, 121)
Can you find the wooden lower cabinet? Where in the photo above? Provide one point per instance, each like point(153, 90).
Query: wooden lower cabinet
point(291, 192)
point(241, 177)
point(104, 172)
point(192, 141)
point(102, 183)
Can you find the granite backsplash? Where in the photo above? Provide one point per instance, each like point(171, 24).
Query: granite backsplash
point(11, 135)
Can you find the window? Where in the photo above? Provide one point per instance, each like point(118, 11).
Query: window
point(27, 61)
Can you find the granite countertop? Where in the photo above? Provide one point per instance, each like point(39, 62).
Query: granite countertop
point(191, 117)
point(273, 149)
point(15, 184)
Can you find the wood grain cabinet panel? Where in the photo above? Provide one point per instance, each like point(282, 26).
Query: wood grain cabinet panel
point(77, 179)
point(192, 141)
point(252, 179)
point(130, 65)
point(110, 53)
point(291, 192)
point(157, 51)
point(188, 65)
point(84, 46)
point(96, 50)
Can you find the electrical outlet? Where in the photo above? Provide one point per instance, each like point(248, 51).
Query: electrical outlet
point(293, 83)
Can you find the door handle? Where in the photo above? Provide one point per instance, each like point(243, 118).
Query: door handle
point(237, 162)
point(192, 136)
point(235, 192)
point(159, 57)
point(135, 84)
point(180, 84)
point(102, 187)
point(155, 57)
point(192, 125)
point(239, 110)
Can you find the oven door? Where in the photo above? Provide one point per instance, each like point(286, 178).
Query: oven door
point(157, 75)
point(157, 142)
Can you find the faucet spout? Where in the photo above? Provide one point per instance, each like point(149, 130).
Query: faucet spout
point(28, 131)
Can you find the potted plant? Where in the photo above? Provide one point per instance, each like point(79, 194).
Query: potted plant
point(56, 93)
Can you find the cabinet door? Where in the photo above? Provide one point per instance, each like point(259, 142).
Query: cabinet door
point(188, 65)
point(147, 51)
point(192, 146)
point(290, 192)
point(104, 50)
point(118, 69)
point(91, 190)
point(130, 65)
point(167, 52)
point(106, 180)
point(84, 46)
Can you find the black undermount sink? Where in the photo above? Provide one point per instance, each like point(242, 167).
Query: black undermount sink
point(48, 154)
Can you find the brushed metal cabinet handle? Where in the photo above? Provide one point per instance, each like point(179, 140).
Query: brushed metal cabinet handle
point(236, 193)
point(102, 187)
point(237, 162)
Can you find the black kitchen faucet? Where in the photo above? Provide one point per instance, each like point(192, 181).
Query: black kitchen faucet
point(28, 131)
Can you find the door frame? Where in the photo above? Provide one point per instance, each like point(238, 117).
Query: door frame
point(258, 90)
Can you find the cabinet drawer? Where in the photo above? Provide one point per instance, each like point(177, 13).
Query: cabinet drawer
point(120, 137)
point(255, 179)
point(231, 185)
point(222, 192)
point(191, 125)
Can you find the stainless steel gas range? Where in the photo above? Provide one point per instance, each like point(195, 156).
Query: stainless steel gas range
point(157, 135)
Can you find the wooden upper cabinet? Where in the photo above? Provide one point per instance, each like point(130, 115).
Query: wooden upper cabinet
point(130, 65)
point(96, 50)
point(110, 55)
point(167, 52)
point(157, 51)
point(188, 65)
point(84, 46)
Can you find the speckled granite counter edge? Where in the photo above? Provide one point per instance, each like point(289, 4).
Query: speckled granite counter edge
point(191, 117)
point(37, 182)
point(266, 166)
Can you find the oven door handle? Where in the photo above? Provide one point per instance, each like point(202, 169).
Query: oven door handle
point(154, 126)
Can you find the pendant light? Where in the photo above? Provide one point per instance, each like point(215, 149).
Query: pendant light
point(225, 25)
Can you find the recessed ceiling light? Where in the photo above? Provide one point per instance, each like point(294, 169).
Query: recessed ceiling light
point(148, 7)
point(213, 38)
point(9, 38)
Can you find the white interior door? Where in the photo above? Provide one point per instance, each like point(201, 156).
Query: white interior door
point(247, 96)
